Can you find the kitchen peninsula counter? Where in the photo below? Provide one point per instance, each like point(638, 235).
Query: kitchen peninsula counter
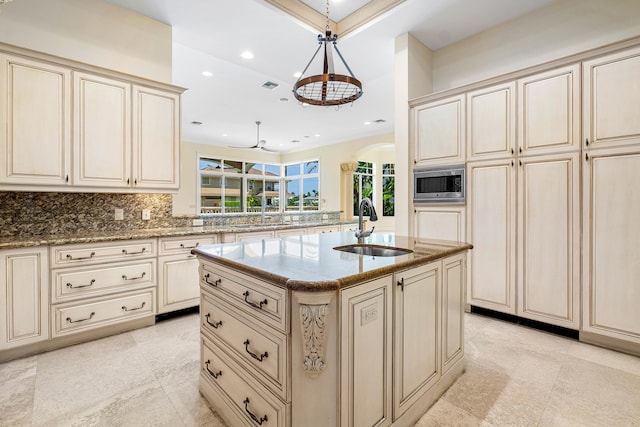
point(295, 333)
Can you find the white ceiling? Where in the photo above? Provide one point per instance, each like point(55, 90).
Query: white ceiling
point(210, 35)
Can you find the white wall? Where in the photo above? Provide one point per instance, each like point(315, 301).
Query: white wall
point(90, 31)
point(563, 28)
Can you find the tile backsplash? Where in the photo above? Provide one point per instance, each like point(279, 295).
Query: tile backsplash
point(41, 213)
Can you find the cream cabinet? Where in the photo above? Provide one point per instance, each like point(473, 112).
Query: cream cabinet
point(35, 118)
point(611, 254)
point(24, 297)
point(548, 239)
point(491, 122)
point(156, 139)
point(366, 354)
point(416, 347)
point(178, 277)
point(610, 95)
point(439, 132)
point(440, 223)
point(454, 280)
point(491, 227)
point(549, 111)
point(324, 229)
point(102, 284)
point(67, 127)
point(102, 131)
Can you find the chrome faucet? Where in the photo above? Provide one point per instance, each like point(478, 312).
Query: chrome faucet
point(361, 234)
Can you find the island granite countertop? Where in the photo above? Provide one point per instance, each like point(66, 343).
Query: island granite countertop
point(13, 242)
point(309, 262)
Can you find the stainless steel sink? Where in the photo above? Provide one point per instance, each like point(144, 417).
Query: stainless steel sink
point(373, 250)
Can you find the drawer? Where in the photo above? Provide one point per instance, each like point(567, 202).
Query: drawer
point(82, 282)
point(94, 253)
point(263, 349)
point(263, 300)
point(246, 398)
point(80, 316)
point(178, 245)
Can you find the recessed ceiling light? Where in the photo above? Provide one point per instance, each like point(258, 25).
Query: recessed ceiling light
point(224, 134)
point(284, 99)
point(379, 121)
point(247, 54)
point(317, 135)
point(367, 123)
point(297, 74)
point(195, 122)
point(295, 141)
point(270, 85)
point(207, 73)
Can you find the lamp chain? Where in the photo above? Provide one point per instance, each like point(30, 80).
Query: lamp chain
point(328, 27)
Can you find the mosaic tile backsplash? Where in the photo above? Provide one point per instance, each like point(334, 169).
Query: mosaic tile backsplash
point(36, 213)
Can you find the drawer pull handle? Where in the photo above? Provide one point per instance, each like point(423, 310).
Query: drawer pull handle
point(216, 324)
point(124, 251)
point(189, 247)
point(124, 307)
point(253, 417)
point(253, 304)
point(70, 286)
point(93, 313)
point(206, 280)
point(71, 258)
point(124, 276)
point(213, 374)
point(255, 356)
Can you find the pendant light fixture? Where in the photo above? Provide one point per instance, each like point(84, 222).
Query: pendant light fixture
point(327, 88)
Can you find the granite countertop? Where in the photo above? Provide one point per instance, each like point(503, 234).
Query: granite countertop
point(12, 242)
point(309, 262)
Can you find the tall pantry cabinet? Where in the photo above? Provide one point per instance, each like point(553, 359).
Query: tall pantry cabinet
point(611, 200)
point(523, 197)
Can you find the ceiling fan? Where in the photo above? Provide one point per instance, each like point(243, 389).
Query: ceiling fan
point(259, 142)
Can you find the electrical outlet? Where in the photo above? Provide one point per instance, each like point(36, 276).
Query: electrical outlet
point(146, 214)
point(119, 214)
point(198, 222)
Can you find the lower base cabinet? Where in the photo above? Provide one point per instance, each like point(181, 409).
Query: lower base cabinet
point(378, 353)
point(24, 296)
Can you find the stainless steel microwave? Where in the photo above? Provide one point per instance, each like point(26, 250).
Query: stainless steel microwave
point(440, 184)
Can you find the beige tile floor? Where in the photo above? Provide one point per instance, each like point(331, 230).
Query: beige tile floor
point(515, 376)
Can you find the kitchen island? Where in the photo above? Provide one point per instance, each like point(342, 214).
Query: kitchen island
point(296, 333)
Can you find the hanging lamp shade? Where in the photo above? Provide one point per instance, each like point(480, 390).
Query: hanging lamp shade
point(327, 88)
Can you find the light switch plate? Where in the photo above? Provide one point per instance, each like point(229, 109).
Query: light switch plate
point(146, 214)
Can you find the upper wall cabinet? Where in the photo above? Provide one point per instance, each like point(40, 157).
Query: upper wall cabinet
point(35, 122)
point(71, 127)
point(611, 92)
point(439, 131)
point(549, 111)
point(102, 131)
point(156, 138)
point(491, 115)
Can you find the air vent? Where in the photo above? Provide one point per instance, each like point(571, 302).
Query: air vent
point(379, 121)
point(270, 85)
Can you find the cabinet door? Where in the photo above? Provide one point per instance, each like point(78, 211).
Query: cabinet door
point(611, 89)
point(454, 279)
point(440, 223)
point(439, 132)
point(179, 283)
point(35, 118)
point(491, 213)
point(491, 122)
point(549, 111)
point(416, 338)
point(549, 239)
point(366, 354)
point(24, 298)
point(611, 267)
point(156, 138)
point(102, 137)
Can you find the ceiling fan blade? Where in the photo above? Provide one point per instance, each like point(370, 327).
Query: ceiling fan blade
point(244, 148)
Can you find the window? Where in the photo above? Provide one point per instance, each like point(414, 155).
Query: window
point(362, 185)
point(388, 189)
point(301, 182)
point(229, 186)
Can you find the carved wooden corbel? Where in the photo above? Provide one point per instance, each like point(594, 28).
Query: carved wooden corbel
point(313, 310)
